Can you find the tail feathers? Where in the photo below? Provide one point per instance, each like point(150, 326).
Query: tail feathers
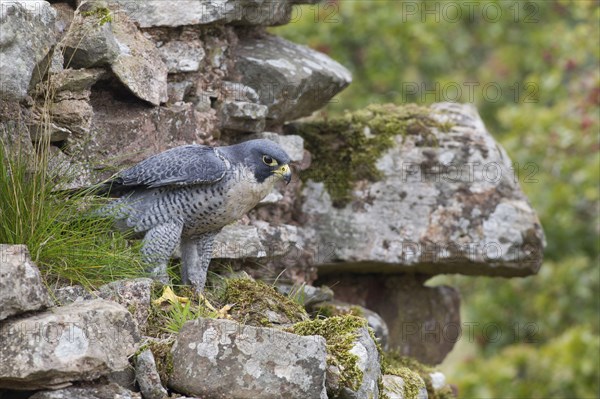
point(111, 189)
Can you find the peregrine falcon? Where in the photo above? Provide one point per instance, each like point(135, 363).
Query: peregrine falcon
point(186, 195)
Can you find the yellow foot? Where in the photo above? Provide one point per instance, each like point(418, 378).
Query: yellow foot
point(169, 296)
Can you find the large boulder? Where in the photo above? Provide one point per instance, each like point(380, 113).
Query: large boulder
point(21, 286)
point(82, 341)
point(27, 35)
point(413, 189)
point(292, 80)
point(220, 358)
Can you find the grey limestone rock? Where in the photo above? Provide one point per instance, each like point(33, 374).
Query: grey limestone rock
point(446, 203)
point(139, 65)
point(147, 376)
point(99, 37)
point(258, 240)
point(133, 294)
point(168, 13)
point(220, 358)
point(291, 79)
point(90, 40)
point(81, 341)
point(242, 116)
point(27, 36)
point(182, 56)
point(21, 286)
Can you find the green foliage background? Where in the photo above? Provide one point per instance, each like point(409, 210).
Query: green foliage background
point(533, 70)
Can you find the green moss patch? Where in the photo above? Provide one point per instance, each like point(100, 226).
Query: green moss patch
point(102, 13)
point(340, 332)
point(345, 150)
point(396, 364)
point(258, 304)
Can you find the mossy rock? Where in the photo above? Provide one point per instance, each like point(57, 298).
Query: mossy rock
point(341, 333)
point(97, 10)
point(161, 350)
point(345, 150)
point(396, 364)
point(258, 304)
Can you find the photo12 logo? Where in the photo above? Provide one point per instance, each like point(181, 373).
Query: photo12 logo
point(471, 11)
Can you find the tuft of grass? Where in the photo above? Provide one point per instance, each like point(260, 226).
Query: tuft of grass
point(67, 240)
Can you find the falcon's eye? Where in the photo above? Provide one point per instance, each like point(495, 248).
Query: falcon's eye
point(269, 161)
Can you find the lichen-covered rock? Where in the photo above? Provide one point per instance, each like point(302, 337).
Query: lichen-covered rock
point(412, 189)
point(182, 56)
point(69, 294)
point(21, 286)
point(243, 12)
point(75, 80)
point(258, 240)
point(242, 116)
point(99, 38)
point(133, 294)
point(97, 391)
point(147, 376)
point(81, 341)
point(423, 322)
point(220, 358)
point(27, 34)
point(292, 80)
point(353, 366)
point(139, 65)
point(90, 40)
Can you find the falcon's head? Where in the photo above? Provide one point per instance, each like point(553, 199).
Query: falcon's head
point(264, 157)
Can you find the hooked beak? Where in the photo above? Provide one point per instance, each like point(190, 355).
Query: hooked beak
point(285, 173)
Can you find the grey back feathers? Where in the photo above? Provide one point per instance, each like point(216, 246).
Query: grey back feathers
point(185, 165)
point(193, 164)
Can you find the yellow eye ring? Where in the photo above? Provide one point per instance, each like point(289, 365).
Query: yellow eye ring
point(269, 161)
